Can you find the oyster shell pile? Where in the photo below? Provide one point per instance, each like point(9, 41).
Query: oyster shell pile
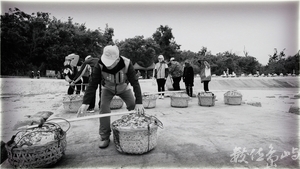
point(133, 121)
point(37, 136)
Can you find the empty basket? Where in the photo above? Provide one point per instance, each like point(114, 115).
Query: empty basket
point(149, 101)
point(206, 99)
point(72, 102)
point(233, 98)
point(180, 100)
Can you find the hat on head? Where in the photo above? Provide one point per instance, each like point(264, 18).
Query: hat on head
point(160, 57)
point(110, 55)
point(86, 58)
point(172, 58)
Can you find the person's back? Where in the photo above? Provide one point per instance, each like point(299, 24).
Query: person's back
point(176, 71)
point(188, 78)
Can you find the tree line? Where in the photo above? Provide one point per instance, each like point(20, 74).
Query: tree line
point(31, 42)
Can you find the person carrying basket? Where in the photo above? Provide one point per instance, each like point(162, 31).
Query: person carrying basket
point(114, 73)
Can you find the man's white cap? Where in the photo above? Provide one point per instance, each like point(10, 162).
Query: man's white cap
point(110, 55)
point(172, 58)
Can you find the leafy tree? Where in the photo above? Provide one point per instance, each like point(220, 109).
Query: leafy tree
point(139, 50)
point(203, 51)
point(108, 34)
point(165, 39)
point(36, 42)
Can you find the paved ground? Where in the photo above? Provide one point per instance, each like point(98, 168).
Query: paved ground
point(193, 137)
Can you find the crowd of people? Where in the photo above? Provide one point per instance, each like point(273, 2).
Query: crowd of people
point(115, 75)
point(174, 72)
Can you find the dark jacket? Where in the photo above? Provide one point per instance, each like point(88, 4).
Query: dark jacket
point(175, 69)
point(97, 79)
point(91, 61)
point(188, 75)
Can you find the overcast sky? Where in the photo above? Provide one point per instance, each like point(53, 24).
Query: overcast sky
point(256, 26)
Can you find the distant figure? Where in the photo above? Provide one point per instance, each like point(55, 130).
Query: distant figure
point(224, 74)
point(227, 72)
point(188, 78)
point(32, 74)
point(233, 74)
point(205, 74)
point(58, 76)
point(38, 75)
point(160, 74)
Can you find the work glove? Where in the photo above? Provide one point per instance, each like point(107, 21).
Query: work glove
point(82, 110)
point(139, 108)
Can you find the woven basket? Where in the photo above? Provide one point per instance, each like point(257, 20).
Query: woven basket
point(206, 100)
point(180, 101)
point(116, 103)
point(37, 156)
point(135, 141)
point(233, 100)
point(72, 103)
point(149, 102)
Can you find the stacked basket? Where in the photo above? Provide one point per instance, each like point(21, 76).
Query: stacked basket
point(233, 97)
point(149, 101)
point(37, 147)
point(206, 99)
point(135, 134)
point(116, 103)
point(72, 102)
point(180, 100)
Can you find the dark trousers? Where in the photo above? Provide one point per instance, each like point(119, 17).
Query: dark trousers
point(92, 103)
point(176, 81)
point(189, 89)
point(106, 97)
point(205, 85)
point(77, 86)
point(161, 85)
point(85, 82)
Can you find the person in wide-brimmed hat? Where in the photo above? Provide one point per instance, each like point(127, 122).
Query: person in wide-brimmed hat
point(70, 71)
point(113, 72)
